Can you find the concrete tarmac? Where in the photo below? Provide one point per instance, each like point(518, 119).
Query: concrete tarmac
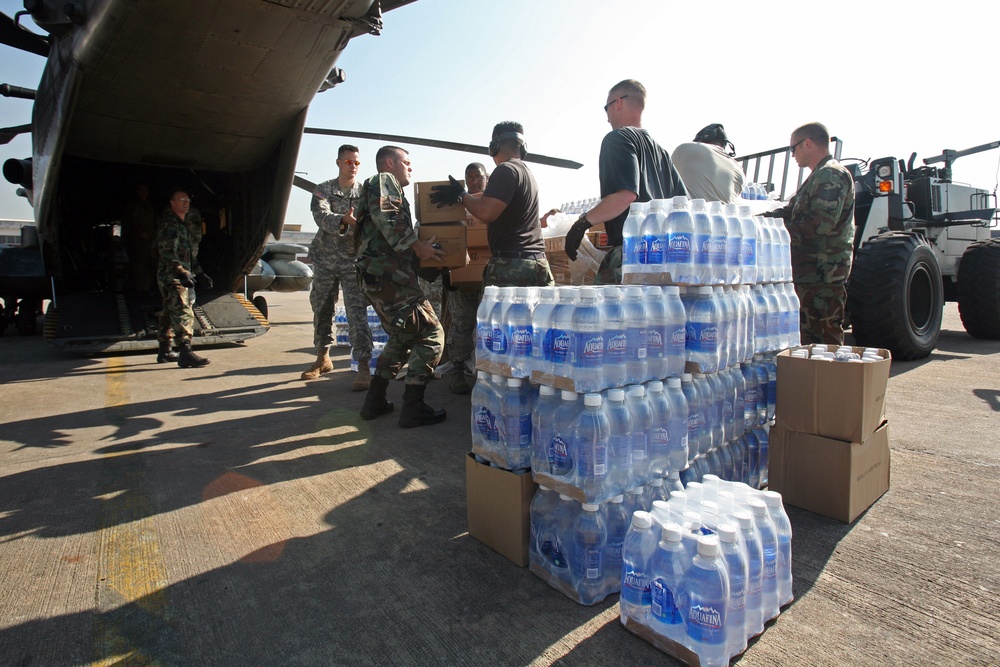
point(236, 515)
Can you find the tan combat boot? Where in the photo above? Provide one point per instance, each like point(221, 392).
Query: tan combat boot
point(363, 378)
point(323, 364)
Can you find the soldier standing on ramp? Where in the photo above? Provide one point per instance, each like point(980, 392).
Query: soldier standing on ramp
point(388, 259)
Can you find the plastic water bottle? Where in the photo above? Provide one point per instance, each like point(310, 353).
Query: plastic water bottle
point(541, 323)
point(728, 405)
point(655, 491)
point(635, 500)
point(636, 368)
point(785, 252)
point(716, 390)
point(734, 245)
point(776, 337)
point(591, 432)
point(483, 421)
point(763, 388)
point(706, 586)
point(783, 530)
point(748, 254)
point(702, 242)
point(631, 238)
point(717, 244)
point(753, 459)
point(562, 455)
point(586, 352)
point(542, 509)
point(562, 324)
point(739, 404)
point(675, 331)
point(657, 332)
point(497, 319)
point(484, 325)
point(619, 443)
point(764, 263)
point(615, 337)
point(772, 385)
point(543, 417)
point(769, 546)
point(617, 521)
point(650, 250)
point(750, 396)
point(668, 571)
point(637, 554)
point(591, 536)
point(746, 294)
point(693, 397)
point(737, 568)
point(679, 231)
point(659, 438)
point(642, 422)
point(677, 426)
point(725, 324)
point(703, 331)
point(750, 539)
point(516, 411)
point(563, 534)
point(762, 336)
point(518, 329)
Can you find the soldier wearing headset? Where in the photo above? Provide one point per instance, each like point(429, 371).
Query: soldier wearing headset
point(509, 207)
point(708, 166)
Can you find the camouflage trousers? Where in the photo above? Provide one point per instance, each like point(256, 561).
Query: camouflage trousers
point(610, 271)
point(177, 317)
point(461, 338)
point(433, 289)
point(507, 272)
point(328, 280)
point(821, 312)
point(415, 334)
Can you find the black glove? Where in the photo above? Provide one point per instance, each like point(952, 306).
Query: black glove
point(574, 237)
point(442, 195)
point(205, 282)
point(185, 277)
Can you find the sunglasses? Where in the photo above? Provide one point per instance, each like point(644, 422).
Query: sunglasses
point(608, 105)
point(356, 163)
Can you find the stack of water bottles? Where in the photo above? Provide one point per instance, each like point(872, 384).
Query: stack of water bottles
point(703, 572)
point(379, 336)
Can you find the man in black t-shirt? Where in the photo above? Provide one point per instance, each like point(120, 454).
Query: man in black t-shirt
point(633, 168)
point(509, 207)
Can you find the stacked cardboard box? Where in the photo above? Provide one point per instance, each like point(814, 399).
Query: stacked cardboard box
point(446, 223)
point(830, 444)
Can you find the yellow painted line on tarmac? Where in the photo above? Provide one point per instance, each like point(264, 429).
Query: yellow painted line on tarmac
point(132, 600)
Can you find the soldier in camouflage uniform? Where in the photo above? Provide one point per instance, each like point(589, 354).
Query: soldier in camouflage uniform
point(509, 207)
point(388, 259)
point(177, 242)
point(333, 253)
point(820, 222)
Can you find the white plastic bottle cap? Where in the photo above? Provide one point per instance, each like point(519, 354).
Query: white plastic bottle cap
point(680, 495)
point(758, 507)
point(588, 507)
point(656, 481)
point(546, 390)
point(679, 202)
point(746, 521)
point(698, 204)
point(568, 395)
point(514, 382)
point(708, 546)
point(592, 400)
point(543, 487)
point(641, 520)
point(661, 511)
point(672, 474)
point(483, 376)
point(616, 395)
point(497, 378)
point(654, 387)
point(671, 290)
point(636, 390)
point(633, 291)
point(710, 480)
point(772, 498)
point(588, 293)
point(705, 289)
point(563, 496)
point(671, 533)
point(656, 205)
point(674, 383)
point(726, 532)
point(729, 209)
point(618, 499)
point(688, 377)
point(612, 292)
point(820, 347)
point(653, 291)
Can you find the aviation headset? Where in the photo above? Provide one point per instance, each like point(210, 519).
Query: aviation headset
point(495, 143)
point(715, 134)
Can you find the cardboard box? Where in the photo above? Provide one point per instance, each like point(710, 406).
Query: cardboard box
point(428, 213)
point(498, 503)
point(830, 477)
point(452, 239)
point(834, 399)
point(473, 272)
point(476, 236)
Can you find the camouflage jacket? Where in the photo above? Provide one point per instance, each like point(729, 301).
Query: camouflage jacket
point(387, 231)
point(329, 204)
point(177, 242)
point(820, 221)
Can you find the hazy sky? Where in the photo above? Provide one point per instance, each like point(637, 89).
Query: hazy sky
point(886, 78)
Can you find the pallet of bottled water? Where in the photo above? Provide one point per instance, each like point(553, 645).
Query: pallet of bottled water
point(341, 331)
point(373, 362)
point(705, 571)
point(694, 242)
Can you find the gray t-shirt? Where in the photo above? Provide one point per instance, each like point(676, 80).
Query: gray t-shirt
point(708, 173)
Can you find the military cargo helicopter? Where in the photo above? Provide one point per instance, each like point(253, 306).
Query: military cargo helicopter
point(207, 96)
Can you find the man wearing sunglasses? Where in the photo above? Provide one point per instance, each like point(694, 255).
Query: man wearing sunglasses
point(333, 252)
point(820, 221)
point(632, 168)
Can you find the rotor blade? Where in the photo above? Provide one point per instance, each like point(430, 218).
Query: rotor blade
point(437, 143)
point(13, 35)
point(300, 182)
point(7, 134)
